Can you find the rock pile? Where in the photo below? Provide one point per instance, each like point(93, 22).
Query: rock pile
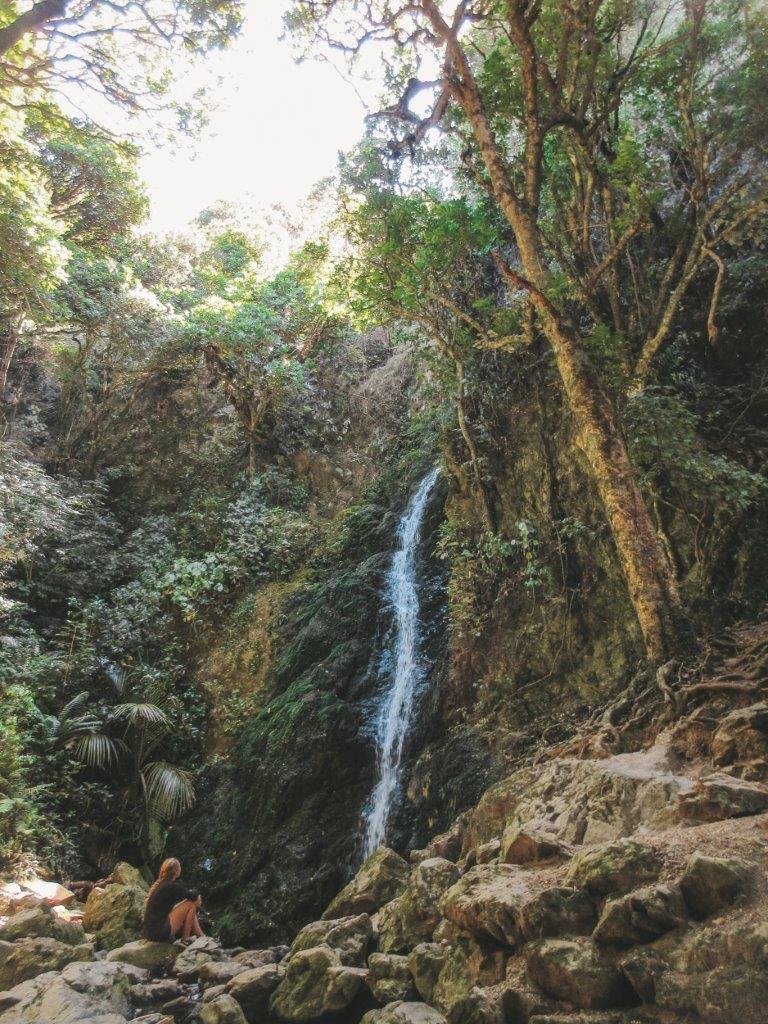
point(581, 892)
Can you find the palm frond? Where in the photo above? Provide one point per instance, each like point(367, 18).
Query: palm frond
point(141, 714)
point(170, 790)
point(76, 704)
point(98, 750)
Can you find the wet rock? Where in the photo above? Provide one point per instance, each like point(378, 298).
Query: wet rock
point(38, 922)
point(710, 884)
point(613, 868)
point(152, 956)
point(105, 980)
point(487, 901)
point(717, 797)
point(641, 916)
point(316, 983)
point(253, 988)
point(426, 961)
point(526, 844)
point(404, 1013)
point(382, 877)
point(414, 915)
point(223, 1010)
point(26, 958)
point(390, 979)
point(576, 971)
point(114, 914)
point(348, 936)
point(219, 972)
point(555, 913)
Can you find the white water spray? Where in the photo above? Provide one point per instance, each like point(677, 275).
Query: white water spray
point(408, 668)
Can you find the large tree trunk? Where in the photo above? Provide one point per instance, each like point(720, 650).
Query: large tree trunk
point(30, 21)
point(650, 578)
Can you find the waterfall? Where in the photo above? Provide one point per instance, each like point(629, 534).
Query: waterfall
point(407, 670)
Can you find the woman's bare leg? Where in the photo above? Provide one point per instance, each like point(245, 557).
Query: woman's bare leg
point(183, 920)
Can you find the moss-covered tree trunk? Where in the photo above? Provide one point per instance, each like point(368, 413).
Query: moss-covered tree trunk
point(650, 577)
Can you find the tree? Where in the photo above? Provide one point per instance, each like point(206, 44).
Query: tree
point(551, 106)
point(424, 259)
point(121, 50)
point(256, 336)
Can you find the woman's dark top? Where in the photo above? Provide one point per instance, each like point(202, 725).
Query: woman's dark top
point(157, 927)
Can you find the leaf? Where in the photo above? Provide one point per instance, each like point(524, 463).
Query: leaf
point(141, 714)
point(98, 750)
point(170, 790)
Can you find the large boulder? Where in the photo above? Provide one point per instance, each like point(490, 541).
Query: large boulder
point(382, 877)
point(613, 868)
point(126, 874)
point(222, 1010)
point(151, 956)
point(528, 843)
point(390, 979)
point(259, 957)
point(426, 961)
point(710, 884)
point(316, 984)
point(555, 913)
point(576, 971)
point(404, 1013)
point(200, 951)
point(114, 914)
point(641, 916)
point(487, 901)
point(38, 922)
point(349, 936)
point(253, 989)
point(83, 992)
point(716, 973)
point(218, 972)
point(721, 796)
point(478, 1007)
point(584, 801)
point(26, 958)
point(412, 917)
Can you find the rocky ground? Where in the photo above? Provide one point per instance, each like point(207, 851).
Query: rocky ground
point(626, 887)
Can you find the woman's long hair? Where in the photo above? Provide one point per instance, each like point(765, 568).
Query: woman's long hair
point(170, 868)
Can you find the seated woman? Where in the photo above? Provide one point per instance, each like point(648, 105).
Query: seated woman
point(170, 910)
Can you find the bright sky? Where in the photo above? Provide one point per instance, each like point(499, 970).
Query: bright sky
point(275, 128)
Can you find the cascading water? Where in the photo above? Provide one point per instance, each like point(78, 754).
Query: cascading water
point(408, 668)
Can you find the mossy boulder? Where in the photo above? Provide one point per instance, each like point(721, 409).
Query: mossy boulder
point(426, 961)
point(710, 884)
point(316, 984)
point(383, 876)
point(151, 956)
point(412, 917)
point(26, 958)
point(348, 936)
point(555, 913)
point(222, 1010)
point(487, 901)
point(525, 844)
point(404, 1013)
point(641, 916)
point(114, 914)
point(254, 987)
point(613, 868)
point(40, 921)
point(576, 971)
point(390, 979)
